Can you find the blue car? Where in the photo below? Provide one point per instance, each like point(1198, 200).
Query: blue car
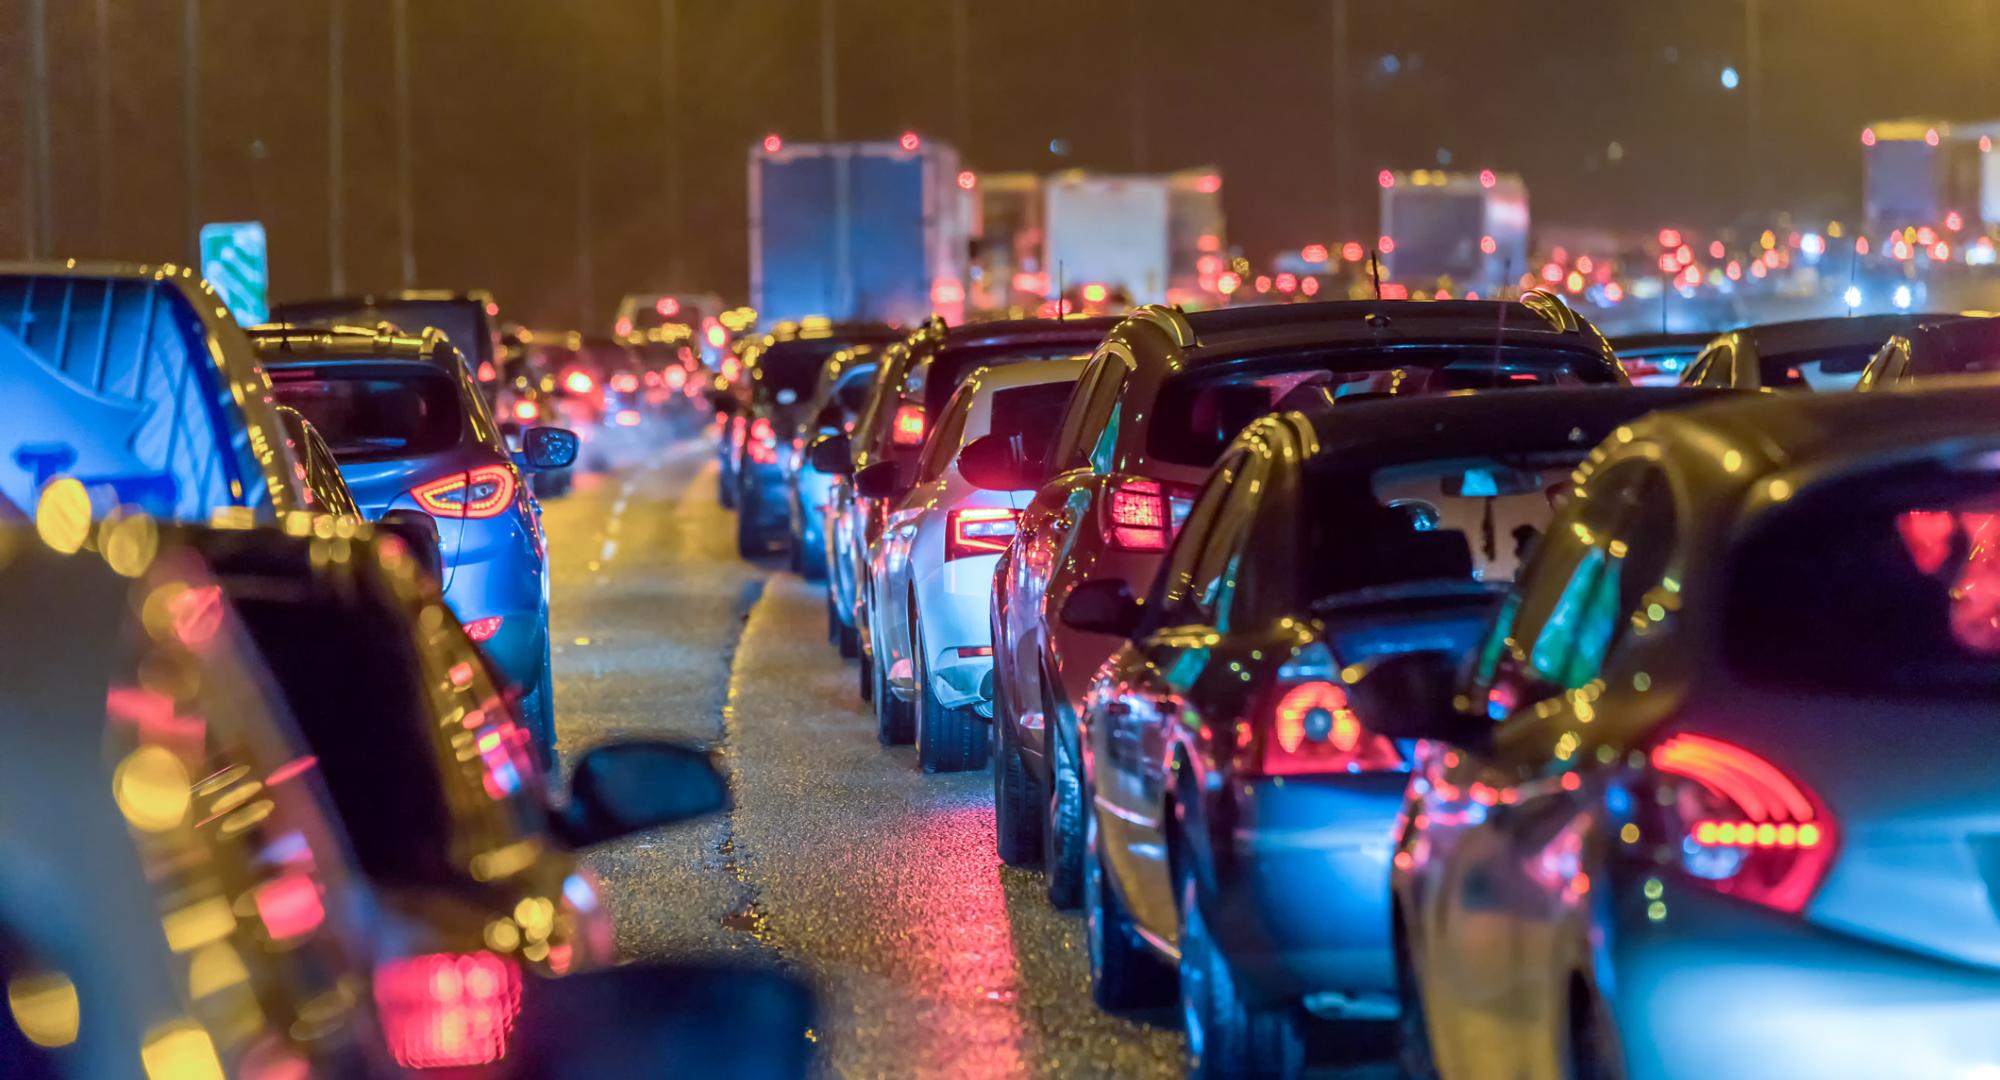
point(842, 392)
point(411, 431)
point(1715, 796)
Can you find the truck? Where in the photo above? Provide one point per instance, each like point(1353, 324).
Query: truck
point(1107, 233)
point(1463, 230)
point(1920, 172)
point(858, 231)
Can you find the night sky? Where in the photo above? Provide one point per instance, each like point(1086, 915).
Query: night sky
point(1542, 88)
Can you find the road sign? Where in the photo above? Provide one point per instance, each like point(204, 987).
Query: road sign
point(233, 260)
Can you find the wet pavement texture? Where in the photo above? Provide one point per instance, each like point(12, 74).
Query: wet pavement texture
point(840, 860)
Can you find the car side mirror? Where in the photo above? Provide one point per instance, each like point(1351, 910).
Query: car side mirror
point(419, 532)
point(627, 787)
point(1415, 696)
point(996, 463)
point(829, 418)
point(830, 454)
point(685, 1018)
point(547, 448)
point(878, 481)
point(1103, 606)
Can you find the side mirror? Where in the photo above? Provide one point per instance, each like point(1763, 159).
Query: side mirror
point(829, 418)
point(626, 787)
point(699, 1018)
point(831, 454)
point(995, 463)
point(1414, 696)
point(1104, 606)
point(878, 481)
point(419, 532)
point(549, 448)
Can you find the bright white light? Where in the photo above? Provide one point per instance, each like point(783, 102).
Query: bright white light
point(1852, 296)
point(1901, 298)
point(1812, 244)
point(1729, 79)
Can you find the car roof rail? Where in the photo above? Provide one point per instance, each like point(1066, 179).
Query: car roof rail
point(1554, 309)
point(1170, 319)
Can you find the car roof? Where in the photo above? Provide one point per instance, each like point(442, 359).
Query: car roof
point(1639, 343)
point(1030, 331)
point(376, 299)
point(1544, 323)
point(285, 344)
point(1438, 425)
point(823, 329)
point(1777, 339)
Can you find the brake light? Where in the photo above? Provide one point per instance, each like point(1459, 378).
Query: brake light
point(1314, 730)
point(625, 382)
point(526, 410)
point(908, 427)
point(1735, 822)
point(1138, 512)
point(763, 442)
point(579, 382)
point(676, 378)
point(626, 418)
point(979, 530)
point(483, 629)
point(476, 493)
point(444, 1010)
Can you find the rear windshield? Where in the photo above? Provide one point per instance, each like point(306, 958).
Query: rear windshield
point(1200, 411)
point(1031, 412)
point(934, 382)
point(1971, 346)
point(793, 366)
point(1883, 584)
point(851, 392)
point(1837, 368)
point(376, 412)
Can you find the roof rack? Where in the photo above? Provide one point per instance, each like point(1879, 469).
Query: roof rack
point(1552, 308)
point(1170, 319)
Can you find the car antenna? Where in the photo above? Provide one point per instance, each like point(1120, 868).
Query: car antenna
point(1853, 275)
point(1375, 272)
point(1666, 286)
point(1062, 301)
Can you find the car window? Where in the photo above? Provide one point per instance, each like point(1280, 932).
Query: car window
point(1080, 426)
point(324, 489)
point(942, 445)
point(1822, 370)
point(375, 412)
point(1173, 588)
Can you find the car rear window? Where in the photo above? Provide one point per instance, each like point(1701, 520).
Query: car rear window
point(851, 393)
point(1887, 583)
point(932, 384)
point(1830, 369)
point(1969, 346)
point(376, 412)
point(1032, 412)
point(793, 366)
point(463, 321)
point(1201, 410)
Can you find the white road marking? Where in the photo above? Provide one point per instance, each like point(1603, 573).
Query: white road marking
point(610, 549)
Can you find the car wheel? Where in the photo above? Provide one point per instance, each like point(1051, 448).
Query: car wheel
point(893, 716)
point(538, 708)
point(948, 740)
point(1413, 1034)
point(1062, 828)
point(1226, 1037)
point(1125, 973)
point(1017, 829)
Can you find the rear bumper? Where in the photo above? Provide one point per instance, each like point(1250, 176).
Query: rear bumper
point(495, 567)
point(759, 492)
point(954, 607)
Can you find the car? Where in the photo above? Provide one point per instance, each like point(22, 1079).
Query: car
point(1810, 354)
point(1163, 396)
point(1957, 347)
point(765, 406)
point(411, 432)
point(932, 569)
point(694, 317)
point(471, 319)
point(837, 400)
point(1240, 816)
point(1659, 359)
point(1708, 797)
point(916, 378)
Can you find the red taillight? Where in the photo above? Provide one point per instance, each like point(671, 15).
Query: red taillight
point(965, 651)
point(446, 1010)
point(763, 442)
point(579, 382)
point(483, 629)
point(477, 493)
point(625, 382)
point(1313, 730)
point(676, 378)
point(979, 530)
point(526, 410)
point(1138, 513)
point(908, 428)
point(626, 418)
point(1735, 822)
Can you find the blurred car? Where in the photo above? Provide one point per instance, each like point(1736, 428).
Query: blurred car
point(876, 463)
point(838, 398)
point(1810, 354)
point(1957, 347)
point(764, 408)
point(1221, 732)
point(1659, 359)
point(1710, 798)
point(932, 570)
point(1162, 398)
point(411, 433)
point(470, 319)
point(693, 317)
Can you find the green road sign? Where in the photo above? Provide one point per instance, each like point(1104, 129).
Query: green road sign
point(234, 261)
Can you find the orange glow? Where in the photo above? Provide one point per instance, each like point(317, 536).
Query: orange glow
point(908, 427)
point(525, 410)
point(486, 371)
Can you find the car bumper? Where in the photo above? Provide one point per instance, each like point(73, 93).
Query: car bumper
point(495, 568)
point(1301, 887)
point(759, 490)
point(954, 609)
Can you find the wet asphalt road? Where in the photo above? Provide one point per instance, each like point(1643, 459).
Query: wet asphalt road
point(840, 860)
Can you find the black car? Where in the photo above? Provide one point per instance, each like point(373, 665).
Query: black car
point(1808, 354)
point(1956, 347)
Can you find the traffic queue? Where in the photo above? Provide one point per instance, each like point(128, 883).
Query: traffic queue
point(280, 762)
point(1401, 666)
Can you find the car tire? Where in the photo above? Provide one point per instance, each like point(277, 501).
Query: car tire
point(1125, 973)
point(1227, 1037)
point(1414, 1056)
point(895, 721)
point(948, 740)
point(849, 641)
point(538, 709)
point(832, 621)
point(1017, 825)
point(1062, 828)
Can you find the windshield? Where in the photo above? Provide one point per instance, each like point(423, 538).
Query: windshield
point(375, 412)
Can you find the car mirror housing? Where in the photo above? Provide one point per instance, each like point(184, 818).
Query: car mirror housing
point(1104, 606)
point(878, 481)
point(830, 454)
point(419, 532)
point(1415, 696)
point(627, 787)
point(995, 463)
point(547, 448)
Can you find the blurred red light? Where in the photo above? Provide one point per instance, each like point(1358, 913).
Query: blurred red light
point(1613, 292)
point(1487, 179)
point(1716, 250)
point(487, 372)
point(525, 410)
point(1953, 220)
point(1208, 183)
point(1314, 253)
point(1931, 137)
point(579, 382)
point(968, 179)
point(483, 629)
point(1352, 251)
point(1386, 178)
point(1552, 272)
point(910, 141)
point(1986, 144)
point(290, 907)
point(1488, 245)
point(908, 427)
point(1386, 245)
point(667, 306)
point(1861, 245)
point(772, 144)
point(1286, 283)
point(1670, 238)
point(442, 1010)
point(1263, 283)
point(1309, 286)
point(1208, 242)
point(1868, 136)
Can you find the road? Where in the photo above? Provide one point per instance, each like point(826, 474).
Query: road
point(840, 859)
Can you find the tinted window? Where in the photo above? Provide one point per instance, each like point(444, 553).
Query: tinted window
point(1819, 369)
point(851, 393)
point(934, 382)
point(794, 366)
point(1973, 345)
point(375, 412)
point(1201, 410)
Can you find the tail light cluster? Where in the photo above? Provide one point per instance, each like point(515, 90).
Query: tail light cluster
point(979, 530)
point(1142, 515)
point(446, 1010)
point(474, 493)
point(578, 381)
point(907, 429)
point(762, 443)
point(1734, 822)
point(625, 382)
point(1314, 730)
point(483, 629)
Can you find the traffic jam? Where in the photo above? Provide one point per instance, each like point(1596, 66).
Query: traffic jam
point(1075, 617)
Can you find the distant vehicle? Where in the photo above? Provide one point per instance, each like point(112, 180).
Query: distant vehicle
point(470, 319)
point(1164, 395)
point(1659, 359)
point(1469, 228)
point(1810, 354)
point(411, 433)
point(932, 571)
point(599, 390)
point(1956, 347)
point(1109, 232)
point(838, 398)
point(864, 231)
point(1917, 172)
point(1323, 540)
point(700, 314)
point(1731, 719)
